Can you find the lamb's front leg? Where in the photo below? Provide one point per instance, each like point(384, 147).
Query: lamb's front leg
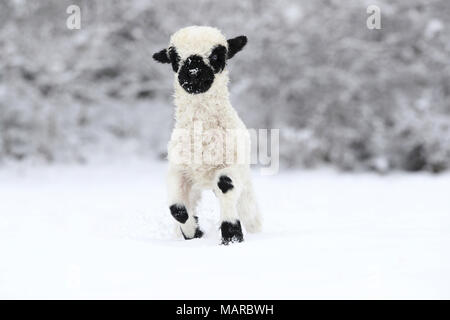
point(181, 204)
point(228, 189)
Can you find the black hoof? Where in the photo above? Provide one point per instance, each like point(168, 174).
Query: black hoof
point(231, 232)
point(179, 213)
point(198, 234)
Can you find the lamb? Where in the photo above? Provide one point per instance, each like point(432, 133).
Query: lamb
point(210, 146)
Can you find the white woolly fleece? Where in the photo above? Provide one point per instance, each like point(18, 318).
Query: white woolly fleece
point(198, 40)
point(214, 111)
point(212, 108)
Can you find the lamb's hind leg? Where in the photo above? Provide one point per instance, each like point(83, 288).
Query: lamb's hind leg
point(228, 189)
point(182, 203)
point(248, 209)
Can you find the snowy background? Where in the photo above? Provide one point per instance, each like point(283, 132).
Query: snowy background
point(342, 94)
point(360, 208)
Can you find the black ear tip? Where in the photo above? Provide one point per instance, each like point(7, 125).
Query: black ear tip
point(235, 45)
point(240, 41)
point(161, 56)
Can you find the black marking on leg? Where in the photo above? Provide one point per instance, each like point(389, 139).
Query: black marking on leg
point(231, 232)
point(179, 213)
point(225, 184)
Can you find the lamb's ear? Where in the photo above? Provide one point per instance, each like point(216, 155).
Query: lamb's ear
point(162, 56)
point(235, 45)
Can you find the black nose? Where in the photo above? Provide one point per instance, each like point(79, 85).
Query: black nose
point(195, 76)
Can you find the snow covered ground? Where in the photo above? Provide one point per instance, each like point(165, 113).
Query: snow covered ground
point(104, 231)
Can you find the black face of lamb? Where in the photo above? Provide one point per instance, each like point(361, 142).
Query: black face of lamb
point(231, 232)
point(195, 76)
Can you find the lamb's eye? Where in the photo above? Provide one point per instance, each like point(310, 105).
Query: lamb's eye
point(217, 58)
point(174, 58)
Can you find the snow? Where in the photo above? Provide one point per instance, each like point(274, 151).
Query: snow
point(104, 231)
point(433, 27)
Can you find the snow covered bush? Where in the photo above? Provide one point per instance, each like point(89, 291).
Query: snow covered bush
point(342, 94)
